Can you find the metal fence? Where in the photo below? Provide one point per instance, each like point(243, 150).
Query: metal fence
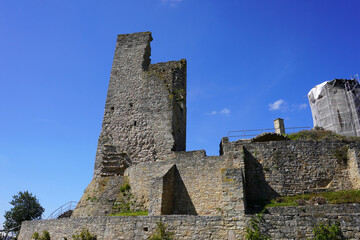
point(63, 209)
point(246, 134)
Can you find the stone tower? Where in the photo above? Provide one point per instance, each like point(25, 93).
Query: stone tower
point(144, 118)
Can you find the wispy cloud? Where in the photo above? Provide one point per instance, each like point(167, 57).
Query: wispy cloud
point(284, 107)
point(171, 3)
point(277, 105)
point(303, 106)
point(224, 111)
point(213, 112)
point(300, 107)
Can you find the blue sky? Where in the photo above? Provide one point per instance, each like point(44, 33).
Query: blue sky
point(249, 62)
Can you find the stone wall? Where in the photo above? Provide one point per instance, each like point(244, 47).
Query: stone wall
point(295, 167)
point(298, 222)
point(279, 223)
point(197, 182)
point(99, 197)
point(353, 167)
point(129, 228)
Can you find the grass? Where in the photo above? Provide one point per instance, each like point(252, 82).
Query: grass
point(318, 135)
point(125, 187)
point(340, 197)
point(137, 213)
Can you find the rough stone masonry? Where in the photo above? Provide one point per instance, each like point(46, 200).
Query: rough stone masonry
point(142, 146)
point(144, 119)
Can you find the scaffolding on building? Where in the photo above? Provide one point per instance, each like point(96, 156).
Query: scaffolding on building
point(335, 106)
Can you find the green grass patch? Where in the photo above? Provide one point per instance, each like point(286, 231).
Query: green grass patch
point(340, 197)
point(318, 135)
point(137, 213)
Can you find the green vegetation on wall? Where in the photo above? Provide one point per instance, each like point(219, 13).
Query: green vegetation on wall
point(338, 197)
point(341, 155)
point(161, 233)
point(44, 236)
point(253, 232)
point(126, 204)
point(327, 232)
point(84, 235)
point(319, 134)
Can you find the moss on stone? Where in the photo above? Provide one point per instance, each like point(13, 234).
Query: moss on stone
point(134, 213)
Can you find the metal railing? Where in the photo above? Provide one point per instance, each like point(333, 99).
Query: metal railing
point(9, 233)
point(64, 208)
point(246, 134)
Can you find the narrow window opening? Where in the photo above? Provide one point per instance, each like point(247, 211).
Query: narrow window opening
point(131, 105)
point(146, 229)
point(134, 123)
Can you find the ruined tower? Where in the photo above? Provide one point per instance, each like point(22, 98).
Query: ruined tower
point(144, 118)
point(335, 106)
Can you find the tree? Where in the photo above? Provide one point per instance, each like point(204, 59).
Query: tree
point(25, 207)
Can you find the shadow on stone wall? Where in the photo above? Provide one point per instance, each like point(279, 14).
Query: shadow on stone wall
point(258, 191)
point(182, 201)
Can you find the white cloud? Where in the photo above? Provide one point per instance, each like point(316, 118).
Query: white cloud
point(225, 111)
point(171, 3)
point(302, 106)
point(276, 105)
point(299, 107)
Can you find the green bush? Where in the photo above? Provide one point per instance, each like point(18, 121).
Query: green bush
point(253, 232)
point(84, 235)
point(125, 187)
point(44, 236)
point(161, 233)
point(327, 232)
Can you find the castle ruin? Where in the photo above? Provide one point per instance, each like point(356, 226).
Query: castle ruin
point(141, 165)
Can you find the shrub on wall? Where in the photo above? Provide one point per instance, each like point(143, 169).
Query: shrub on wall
point(84, 235)
point(161, 233)
point(126, 204)
point(253, 232)
point(327, 232)
point(44, 236)
point(341, 155)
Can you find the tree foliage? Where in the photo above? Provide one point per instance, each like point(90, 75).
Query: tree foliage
point(25, 207)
